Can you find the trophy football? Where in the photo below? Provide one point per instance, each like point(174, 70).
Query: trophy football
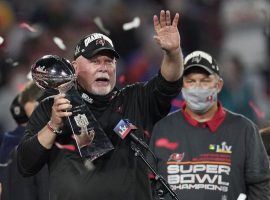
point(52, 72)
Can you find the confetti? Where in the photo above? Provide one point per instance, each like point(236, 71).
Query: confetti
point(122, 79)
point(28, 27)
point(70, 147)
point(15, 64)
point(260, 114)
point(11, 62)
point(99, 24)
point(177, 103)
point(21, 86)
point(135, 23)
point(1, 40)
point(29, 76)
point(59, 42)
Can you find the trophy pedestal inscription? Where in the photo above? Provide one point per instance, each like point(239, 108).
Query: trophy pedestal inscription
point(91, 140)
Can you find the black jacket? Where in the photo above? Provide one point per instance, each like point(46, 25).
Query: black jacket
point(117, 174)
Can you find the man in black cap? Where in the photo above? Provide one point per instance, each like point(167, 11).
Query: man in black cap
point(205, 151)
point(14, 185)
point(117, 174)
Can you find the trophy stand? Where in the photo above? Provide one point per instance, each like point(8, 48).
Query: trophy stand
point(91, 140)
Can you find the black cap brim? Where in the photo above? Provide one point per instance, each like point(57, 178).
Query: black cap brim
point(105, 49)
point(188, 68)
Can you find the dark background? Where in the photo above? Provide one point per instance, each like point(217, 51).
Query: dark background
point(235, 32)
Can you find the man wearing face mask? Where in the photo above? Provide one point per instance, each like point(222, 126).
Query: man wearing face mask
point(205, 151)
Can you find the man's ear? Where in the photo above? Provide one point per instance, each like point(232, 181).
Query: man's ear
point(220, 84)
point(75, 65)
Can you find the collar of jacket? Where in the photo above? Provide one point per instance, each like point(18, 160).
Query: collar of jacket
point(97, 100)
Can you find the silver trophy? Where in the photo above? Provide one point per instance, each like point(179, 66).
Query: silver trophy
point(52, 72)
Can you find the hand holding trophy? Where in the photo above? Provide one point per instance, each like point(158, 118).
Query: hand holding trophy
point(55, 73)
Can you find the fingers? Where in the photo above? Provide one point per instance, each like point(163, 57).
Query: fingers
point(61, 103)
point(156, 23)
point(165, 20)
point(175, 20)
point(168, 18)
point(60, 109)
point(162, 18)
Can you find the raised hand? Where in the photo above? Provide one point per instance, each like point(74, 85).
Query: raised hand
point(167, 34)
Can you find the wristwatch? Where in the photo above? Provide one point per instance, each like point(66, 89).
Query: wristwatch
point(55, 131)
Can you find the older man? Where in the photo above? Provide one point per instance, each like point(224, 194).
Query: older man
point(116, 174)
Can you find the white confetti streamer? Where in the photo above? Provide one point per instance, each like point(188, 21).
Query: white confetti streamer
point(59, 42)
point(28, 27)
point(15, 64)
point(100, 25)
point(1, 40)
point(29, 76)
point(11, 62)
point(135, 23)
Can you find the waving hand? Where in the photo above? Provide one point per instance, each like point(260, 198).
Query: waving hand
point(167, 34)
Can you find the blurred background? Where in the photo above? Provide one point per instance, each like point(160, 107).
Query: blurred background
point(235, 32)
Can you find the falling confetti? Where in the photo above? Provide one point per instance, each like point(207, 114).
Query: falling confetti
point(1, 40)
point(122, 79)
point(59, 42)
point(135, 23)
point(70, 147)
point(15, 64)
point(99, 24)
point(21, 86)
point(11, 62)
point(29, 76)
point(146, 133)
point(178, 103)
point(260, 114)
point(28, 27)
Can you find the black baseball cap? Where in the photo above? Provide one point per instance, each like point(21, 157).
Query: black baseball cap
point(94, 43)
point(17, 111)
point(200, 59)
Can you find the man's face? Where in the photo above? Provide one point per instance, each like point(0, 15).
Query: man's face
point(97, 75)
point(202, 80)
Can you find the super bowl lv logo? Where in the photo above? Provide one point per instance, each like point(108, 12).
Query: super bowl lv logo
point(223, 148)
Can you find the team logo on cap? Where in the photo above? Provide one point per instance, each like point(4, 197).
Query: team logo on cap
point(198, 55)
point(196, 59)
point(96, 36)
point(100, 41)
point(17, 110)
